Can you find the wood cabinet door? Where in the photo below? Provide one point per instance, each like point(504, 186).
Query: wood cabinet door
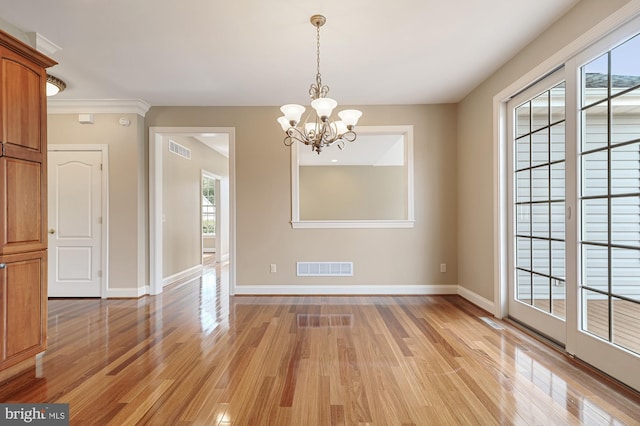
point(22, 306)
point(23, 106)
point(22, 206)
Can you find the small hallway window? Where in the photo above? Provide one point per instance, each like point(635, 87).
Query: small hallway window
point(208, 205)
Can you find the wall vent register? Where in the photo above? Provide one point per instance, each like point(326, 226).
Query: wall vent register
point(180, 150)
point(325, 269)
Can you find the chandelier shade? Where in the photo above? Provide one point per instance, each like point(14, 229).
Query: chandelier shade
point(317, 129)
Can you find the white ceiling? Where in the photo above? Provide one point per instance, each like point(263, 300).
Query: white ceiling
point(257, 52)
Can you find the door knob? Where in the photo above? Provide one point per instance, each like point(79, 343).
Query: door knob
point(3, 265)
point(52, 231)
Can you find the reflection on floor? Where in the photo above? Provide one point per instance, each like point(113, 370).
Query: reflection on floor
point(624, 316)
point(195, 356)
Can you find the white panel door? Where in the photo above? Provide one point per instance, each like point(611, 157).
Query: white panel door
point(75, 197)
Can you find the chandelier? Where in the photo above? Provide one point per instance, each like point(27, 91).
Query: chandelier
point(318, 130)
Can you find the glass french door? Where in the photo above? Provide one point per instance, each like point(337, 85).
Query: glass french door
point(609, 203)
point(574, 205)
point(537, 198)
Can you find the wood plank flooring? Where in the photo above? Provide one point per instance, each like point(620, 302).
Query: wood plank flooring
point(192, 356)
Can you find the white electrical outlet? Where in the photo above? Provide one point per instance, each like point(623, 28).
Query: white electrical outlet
point(273, 267)
point(443, 267)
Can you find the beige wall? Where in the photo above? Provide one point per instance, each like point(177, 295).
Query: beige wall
point(381, 256)
point(475, 159)
point(353, 193)
point(182, 197)
point(128, 260)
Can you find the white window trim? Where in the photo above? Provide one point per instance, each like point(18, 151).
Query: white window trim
point(409, 222)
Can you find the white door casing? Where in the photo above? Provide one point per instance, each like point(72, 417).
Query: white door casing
point(76, 222)
point(227, 191)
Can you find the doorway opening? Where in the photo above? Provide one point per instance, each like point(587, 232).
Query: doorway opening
point(172, 179)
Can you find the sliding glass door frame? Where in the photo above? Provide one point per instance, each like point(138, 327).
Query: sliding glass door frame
point(536, 227)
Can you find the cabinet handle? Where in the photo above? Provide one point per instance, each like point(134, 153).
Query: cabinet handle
point(3, 265)
point(52, 231)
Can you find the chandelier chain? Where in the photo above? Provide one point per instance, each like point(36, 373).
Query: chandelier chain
point(318, 77)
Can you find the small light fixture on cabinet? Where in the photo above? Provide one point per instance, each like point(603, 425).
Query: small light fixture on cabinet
point(319, 131)
point(54, 85)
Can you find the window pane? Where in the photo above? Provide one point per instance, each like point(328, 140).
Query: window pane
point(625, 62)
point(557, 181)
point(208, 206)
point(595, 227)
point(541, 255)
point(540, 111)
point(523, 286)
point(523, 219)
point(558, 298)
point(557, 103)
point(625, 110)
point(557, 259)
point(595, 267)
point(523, 149)
point(595, 123)
point(557, 220)
point(595, 80)
point(522, 119)
point(626, 332)
point(523, 186)
point(625, 170)
point(625, 273)
point(540, 184)
point(541, 292)
point(595, 174)
point(540, 147)
point(595, 313)
point(557, 142)
point(523, 253)
point(625, 221)
point(540, 220)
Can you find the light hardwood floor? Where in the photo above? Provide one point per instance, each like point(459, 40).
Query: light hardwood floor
point(192, 356)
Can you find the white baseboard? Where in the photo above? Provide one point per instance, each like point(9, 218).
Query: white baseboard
point(344, 290)
point(476, 299)
point(192, 272)
point(128, 293)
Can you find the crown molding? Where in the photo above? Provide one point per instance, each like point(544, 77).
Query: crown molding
point(97, 106)
point(43, 44)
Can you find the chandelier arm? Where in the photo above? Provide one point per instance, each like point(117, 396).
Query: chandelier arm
point(349, 136)
point(329, 133)
point(294, 134)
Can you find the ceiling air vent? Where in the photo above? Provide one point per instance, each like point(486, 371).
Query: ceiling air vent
point(325, 269)
point(180, 150)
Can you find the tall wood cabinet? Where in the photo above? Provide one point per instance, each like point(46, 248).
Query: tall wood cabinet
point(23, 203)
